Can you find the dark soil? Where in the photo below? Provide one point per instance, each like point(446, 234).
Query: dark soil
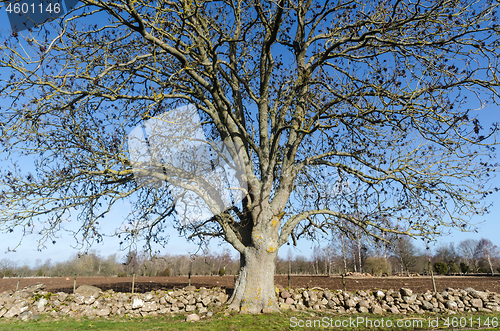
point(144, 284)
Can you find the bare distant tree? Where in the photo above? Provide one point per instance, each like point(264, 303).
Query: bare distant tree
point(132, 262)
point(328, 254)
point(406, 253)
point(488, 251)
point(289, 257)
point(340, 244)
point(468, 251)
point(447, 253)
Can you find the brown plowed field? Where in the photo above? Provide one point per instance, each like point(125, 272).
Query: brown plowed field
point(143, 284)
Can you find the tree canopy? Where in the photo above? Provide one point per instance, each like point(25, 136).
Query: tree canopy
point(360, 111)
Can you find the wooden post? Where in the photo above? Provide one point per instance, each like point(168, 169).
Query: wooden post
point(433, 282)
point(18, 280)
point(189, 278)
point(74, 285)
point(289, 280)
point(343, 281)
point(133, 283)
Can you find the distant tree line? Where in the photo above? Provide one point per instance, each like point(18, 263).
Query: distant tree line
point(345, 254)
point(399, 257)
point(140, 264)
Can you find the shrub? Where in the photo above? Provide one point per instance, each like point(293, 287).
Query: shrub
point(441, 268)
point(39, 273)
point(453, 268)
point(165, 273)
point(1, 274)
point(122, 274)
point(464, 268)
point(377, 266)
point(222, 271)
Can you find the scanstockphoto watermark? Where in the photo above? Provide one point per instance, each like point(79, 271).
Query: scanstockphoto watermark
point(361, 322)
point(365, 322)
point(205, 177)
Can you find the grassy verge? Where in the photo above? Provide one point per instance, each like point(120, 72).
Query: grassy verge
point(284, 321)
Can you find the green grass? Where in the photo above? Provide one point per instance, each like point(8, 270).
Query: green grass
point(283, 321)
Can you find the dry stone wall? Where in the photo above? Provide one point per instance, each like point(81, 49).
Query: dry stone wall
point(398, 302)
point(90, 301)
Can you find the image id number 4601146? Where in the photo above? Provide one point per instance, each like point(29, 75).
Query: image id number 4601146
point(33, 8)
point(28, 14)
point(470, 322)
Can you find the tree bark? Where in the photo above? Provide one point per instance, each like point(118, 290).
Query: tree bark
point(359, 255)
point(354, 260)
point(254, 290)
point(344, 255)
point(491, 265)
point(326, 257)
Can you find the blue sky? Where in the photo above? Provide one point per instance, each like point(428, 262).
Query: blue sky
point(488, 225)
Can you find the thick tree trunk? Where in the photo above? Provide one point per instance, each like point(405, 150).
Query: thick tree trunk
point(254, 290)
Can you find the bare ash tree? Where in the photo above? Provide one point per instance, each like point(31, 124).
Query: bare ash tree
point(488, 251)
point(319, 98)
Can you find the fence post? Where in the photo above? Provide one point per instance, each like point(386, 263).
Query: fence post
point(289, 280)
point(133, 283)
point(18, 280)
point(433, 282)
point(74, 285)
point(343, 281)
point(189, 278)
